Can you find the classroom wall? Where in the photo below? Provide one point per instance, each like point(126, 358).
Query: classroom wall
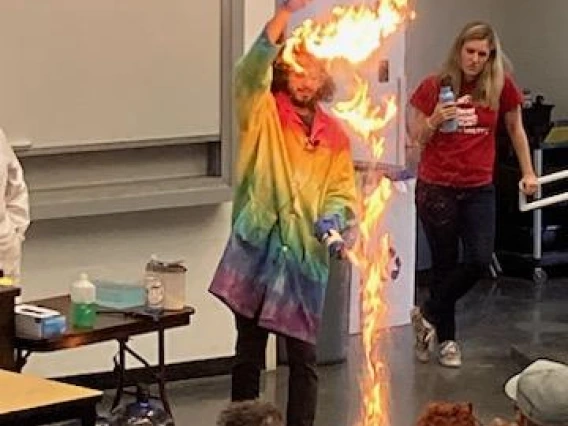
point(117, 247)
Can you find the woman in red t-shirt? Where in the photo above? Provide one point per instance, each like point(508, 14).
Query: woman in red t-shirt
point(455, 197)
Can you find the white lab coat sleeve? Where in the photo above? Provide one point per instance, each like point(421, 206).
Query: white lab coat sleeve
point(16, 196)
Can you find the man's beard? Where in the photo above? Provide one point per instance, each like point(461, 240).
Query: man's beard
point(306, 102)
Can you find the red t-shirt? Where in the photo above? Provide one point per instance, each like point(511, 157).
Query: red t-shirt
point(464, 158)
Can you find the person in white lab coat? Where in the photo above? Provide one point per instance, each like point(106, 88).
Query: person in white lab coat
point(14, 210)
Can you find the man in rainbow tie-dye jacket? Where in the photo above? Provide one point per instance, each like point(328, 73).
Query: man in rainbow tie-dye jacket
point(295, 186)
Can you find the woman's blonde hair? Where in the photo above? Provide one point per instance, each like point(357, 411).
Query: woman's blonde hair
point(491, 80)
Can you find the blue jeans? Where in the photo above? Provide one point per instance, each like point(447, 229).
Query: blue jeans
point(450, 215)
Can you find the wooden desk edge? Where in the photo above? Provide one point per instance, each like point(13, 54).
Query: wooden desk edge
point(72, 393)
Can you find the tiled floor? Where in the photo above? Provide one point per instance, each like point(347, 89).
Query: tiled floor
point(500, 324)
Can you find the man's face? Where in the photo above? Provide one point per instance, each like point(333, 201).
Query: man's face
point(304, 86)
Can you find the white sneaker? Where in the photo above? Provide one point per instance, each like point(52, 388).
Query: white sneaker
point(424, 335)
point(449, 354)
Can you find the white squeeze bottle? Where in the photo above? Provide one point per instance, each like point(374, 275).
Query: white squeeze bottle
point(83, 303)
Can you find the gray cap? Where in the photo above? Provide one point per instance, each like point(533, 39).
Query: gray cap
point(541, 392)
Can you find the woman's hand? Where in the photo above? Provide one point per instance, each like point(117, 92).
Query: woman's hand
point(443, 112)
point(295, 5)
point(529, 184)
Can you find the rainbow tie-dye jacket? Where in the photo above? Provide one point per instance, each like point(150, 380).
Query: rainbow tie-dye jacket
point(273, 267)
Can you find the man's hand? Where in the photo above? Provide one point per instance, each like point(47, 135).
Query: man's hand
point(324, 226)
point(326, 230)
point(295, 5)
point(276, 26)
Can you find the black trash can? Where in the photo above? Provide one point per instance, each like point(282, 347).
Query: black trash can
point(333, 339)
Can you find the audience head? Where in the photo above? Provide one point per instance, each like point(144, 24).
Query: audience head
point(250, 413)
point(540, 393)
point(447, 414)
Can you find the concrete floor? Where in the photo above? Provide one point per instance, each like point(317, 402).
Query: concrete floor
point(502, 325)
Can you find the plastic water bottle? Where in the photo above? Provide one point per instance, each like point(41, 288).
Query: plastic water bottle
point(83, 303)
point(154, 287)
point(447, 95)
point(141, 412)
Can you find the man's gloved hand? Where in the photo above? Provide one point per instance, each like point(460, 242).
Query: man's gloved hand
point(326, 231)
point(324, 225)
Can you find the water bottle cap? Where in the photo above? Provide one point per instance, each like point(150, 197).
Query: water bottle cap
point(84, 277)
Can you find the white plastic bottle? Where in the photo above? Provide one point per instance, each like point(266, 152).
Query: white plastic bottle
point(447, 95)
point(83, 303)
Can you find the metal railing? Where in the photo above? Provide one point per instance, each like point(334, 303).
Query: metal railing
point(539, 203)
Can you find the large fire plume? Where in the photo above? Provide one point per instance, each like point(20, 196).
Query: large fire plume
point(365, 118)
point(353, 34)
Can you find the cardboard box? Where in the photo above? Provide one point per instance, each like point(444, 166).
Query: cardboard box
point(38, 323)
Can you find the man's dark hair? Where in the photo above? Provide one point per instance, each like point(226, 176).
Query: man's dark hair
point(250, 413)
point(281, 71)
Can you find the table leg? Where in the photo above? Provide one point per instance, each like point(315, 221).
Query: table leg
point(121, 372)
point(21, 359)
point(162, 370)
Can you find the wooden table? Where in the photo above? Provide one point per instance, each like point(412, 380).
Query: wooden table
point(29, 400)
point(109, 325)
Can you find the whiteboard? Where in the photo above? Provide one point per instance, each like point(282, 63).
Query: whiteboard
point(77, 71)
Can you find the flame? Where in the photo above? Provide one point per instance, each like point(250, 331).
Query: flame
point(374, 309)
point(366, 119)
point(352, 33)
point(373, 208)
point(371, 256)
